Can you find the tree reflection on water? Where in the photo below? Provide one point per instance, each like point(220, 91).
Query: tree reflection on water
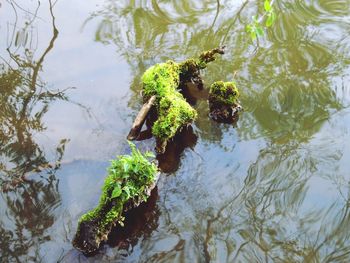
point(24, 101)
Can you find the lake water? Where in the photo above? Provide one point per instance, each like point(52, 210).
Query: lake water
point(272, 188)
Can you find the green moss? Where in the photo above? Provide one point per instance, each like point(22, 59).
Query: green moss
point(161, 79)
point(128, 178)
point(191, 65)
point(174, 112)
point(223, 93)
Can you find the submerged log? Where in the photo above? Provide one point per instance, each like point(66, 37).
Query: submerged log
point(223, 102)
point(130, 181)
point(164, 81)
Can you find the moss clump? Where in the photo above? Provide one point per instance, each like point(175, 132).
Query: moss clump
point(128, 182)
point(173, 110)
point(223, 102)
point(161, 79)
point(223, 93)
point(174, 113)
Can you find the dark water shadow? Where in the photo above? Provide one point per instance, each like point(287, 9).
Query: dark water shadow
point(169, 161)
point(139, 223)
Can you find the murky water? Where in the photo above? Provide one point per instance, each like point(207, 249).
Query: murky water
point(274, 188)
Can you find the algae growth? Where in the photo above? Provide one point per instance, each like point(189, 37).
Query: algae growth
point(128, 183)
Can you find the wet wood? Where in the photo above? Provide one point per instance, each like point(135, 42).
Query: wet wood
point(140, 119)
point(225, 113)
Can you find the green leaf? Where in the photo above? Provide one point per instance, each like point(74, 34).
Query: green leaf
point(259, 31)
point(270, 19)
point(267, 5)
point(127, 191)
point(132, 146)
point(135, 168)
point(117, 191)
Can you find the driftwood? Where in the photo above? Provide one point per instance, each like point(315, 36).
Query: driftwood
point(140, 119)
point(139, 222)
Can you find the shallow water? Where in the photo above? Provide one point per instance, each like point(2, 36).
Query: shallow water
point(272, 188)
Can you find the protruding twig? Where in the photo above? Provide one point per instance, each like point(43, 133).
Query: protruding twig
point(209, 56)
point(140, 119)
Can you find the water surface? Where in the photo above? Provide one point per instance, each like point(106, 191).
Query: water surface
point(272, 188)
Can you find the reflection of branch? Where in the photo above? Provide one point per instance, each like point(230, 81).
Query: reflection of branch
point(14, 26)
point(27, 154)
point(335, 232)
point(35, 14)
point(234, 20)
point(39, 64)
point(41, 59)
point(211, 221)
point(217, 13)
point(27, 24)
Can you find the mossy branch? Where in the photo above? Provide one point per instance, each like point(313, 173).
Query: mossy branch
point(209, 56)
point(129, 182)
point(164, 80)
